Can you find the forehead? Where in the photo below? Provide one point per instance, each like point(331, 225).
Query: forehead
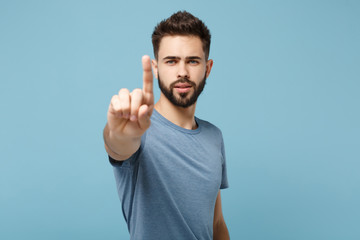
point(181, 46)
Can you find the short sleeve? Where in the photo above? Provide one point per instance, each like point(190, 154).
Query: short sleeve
point(131, 161)
point(224, 179)
point(116, 163)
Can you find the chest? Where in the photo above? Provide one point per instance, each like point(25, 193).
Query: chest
point(182, 164)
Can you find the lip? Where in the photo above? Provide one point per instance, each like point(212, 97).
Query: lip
point(183, 90)
point(182, 85)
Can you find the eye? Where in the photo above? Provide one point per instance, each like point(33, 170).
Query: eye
point(193, 62)
point(170, 62)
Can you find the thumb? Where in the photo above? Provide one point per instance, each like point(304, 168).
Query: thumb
point(144, 116)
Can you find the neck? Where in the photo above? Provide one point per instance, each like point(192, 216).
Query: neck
point(183, 117)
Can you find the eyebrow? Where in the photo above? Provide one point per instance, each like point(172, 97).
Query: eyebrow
point(178, 58)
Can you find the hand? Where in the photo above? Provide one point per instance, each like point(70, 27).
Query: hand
point(129, 113)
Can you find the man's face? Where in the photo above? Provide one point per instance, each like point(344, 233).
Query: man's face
point(181, 69)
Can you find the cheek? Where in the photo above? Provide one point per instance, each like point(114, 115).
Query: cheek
point(166, 74)
point(199, 75)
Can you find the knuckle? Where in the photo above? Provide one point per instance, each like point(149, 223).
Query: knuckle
point(114, 98)
point(137, 91)
point(125, 105)
point(138, 97)
point(123, 91)
point(124, 96)
point(125, 110)
point(134, 108)
point(115, 103)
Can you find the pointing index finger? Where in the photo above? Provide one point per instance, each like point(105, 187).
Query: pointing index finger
point(147, 75)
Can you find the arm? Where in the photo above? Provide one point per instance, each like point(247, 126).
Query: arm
point(129, 117)
point(119, 148)
point(220, 230)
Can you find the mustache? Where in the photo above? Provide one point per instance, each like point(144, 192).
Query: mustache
point(182, 80)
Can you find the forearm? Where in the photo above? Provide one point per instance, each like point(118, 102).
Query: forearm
point(120, 148)
point(220, 231)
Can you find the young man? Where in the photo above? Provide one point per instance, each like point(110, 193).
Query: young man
point(169, 165)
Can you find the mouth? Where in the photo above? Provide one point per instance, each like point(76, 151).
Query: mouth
point(182, 87)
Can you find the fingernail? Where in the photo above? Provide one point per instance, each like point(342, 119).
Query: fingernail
point(133, 118)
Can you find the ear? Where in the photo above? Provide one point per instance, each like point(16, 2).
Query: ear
point(209, 65)
point(155, 67)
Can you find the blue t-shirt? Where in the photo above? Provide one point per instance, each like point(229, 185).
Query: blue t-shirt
point(168, 188)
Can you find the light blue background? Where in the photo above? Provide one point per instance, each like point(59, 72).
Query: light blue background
point(284, 90)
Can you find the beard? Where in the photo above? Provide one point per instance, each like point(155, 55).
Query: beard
point(186, 99)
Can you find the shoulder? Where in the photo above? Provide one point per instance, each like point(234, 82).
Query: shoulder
point(208, 127)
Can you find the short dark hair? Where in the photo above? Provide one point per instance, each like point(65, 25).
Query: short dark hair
point(181, 23)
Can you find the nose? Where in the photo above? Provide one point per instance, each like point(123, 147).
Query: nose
point(182, 70)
